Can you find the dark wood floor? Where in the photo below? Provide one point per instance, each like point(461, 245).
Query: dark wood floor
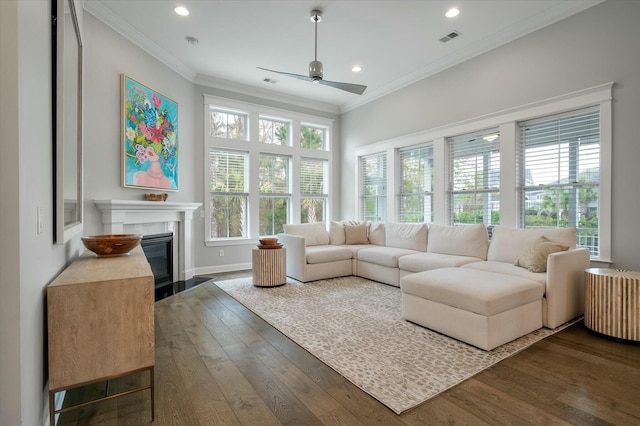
point(218, 363)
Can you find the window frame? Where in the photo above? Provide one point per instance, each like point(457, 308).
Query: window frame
point(426, 194)
point(507, 121)
point(253, 145)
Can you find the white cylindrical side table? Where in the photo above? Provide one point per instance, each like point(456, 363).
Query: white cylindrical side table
point(612, 303)
point(269, 267)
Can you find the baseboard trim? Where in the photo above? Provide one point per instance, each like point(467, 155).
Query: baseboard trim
point(204, 270)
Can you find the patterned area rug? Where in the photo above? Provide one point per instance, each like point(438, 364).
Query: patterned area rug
point(355, 326)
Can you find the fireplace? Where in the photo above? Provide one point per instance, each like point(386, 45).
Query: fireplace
point(159, 251)
point(152, 218)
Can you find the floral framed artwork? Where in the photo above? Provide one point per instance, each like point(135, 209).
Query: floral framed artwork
point(149, 138)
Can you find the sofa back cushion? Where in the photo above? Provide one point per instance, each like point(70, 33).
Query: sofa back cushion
point(463, 240)
point(337, 233)
point(314, 234)
point(507, 242)
point(377, 233)
point(412, 236)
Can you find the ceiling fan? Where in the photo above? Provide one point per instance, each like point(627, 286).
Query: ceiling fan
point(315, 66)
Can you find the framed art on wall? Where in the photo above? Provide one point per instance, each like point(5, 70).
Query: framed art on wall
point(149, 138)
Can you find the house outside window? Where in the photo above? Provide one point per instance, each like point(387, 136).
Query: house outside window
point(474, 178)
point(560, 174)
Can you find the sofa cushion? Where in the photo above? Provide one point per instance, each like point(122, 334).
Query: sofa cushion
point(507, 269)
point(507, 242)
point(376, 233)
point(355, 248)
point(534, 257)
point(463, 240)
point(356, 234)
point(484, 293)
point(412, 236)
point(314, 233)
point(384, 256)
point(327, 253)
point(420, 262)
point(336, 233)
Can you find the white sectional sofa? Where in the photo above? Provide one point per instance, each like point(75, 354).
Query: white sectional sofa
point(453, 280)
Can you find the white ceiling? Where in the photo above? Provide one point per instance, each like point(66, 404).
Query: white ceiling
point(395, 41)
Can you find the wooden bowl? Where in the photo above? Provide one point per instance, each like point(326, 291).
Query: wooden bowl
point(112, 245)
point(156, 197)
point(268, 241)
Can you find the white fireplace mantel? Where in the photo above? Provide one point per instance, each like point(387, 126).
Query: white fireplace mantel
point(118, 215)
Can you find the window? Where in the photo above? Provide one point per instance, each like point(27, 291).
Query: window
point(313, 190)
point(416, 184)
point(273, 131)
point(474, 178)
point(275, 193)
point(260, 178)
point(228, 193)
point(560, 174)
point(373, 169)
point(227, 124)
point(313, 137)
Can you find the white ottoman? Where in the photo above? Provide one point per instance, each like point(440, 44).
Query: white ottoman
point(484, 309)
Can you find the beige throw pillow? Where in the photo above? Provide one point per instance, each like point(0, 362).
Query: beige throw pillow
point(534, 256)
point(356, 234)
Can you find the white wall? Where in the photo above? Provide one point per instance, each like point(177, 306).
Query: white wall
point(29, 261)
point(107, 56)
point(596, 46)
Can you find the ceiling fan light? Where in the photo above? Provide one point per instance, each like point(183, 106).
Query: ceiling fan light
point(452, 13)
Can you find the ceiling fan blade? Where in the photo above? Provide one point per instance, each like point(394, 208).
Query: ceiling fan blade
point(298, 76)
point(358, 89)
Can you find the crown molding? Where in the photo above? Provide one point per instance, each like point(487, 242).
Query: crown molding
point(105, 15)
point(560, 11)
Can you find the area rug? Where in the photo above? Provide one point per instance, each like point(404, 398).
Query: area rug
point(355, 326)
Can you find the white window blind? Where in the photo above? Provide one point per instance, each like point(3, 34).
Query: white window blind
point(474, 178)
point(228, 186)
point(560, 173)
point(416, 184)
point(314, 195)
point(275, 192)
point(373, 175)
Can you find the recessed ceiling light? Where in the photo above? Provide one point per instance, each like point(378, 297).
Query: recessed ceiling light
point(181, 10)
point(452, 13)
point(356, 68)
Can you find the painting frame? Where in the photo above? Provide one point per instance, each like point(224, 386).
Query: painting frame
point(149, 134)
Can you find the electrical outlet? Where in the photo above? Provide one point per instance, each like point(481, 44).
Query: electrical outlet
point(221, 253)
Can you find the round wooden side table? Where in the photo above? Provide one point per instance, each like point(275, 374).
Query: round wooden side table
point(269, 267)
point(612, 303)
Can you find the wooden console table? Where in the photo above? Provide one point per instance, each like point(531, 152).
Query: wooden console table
point(100, 314)
point(612, 303)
